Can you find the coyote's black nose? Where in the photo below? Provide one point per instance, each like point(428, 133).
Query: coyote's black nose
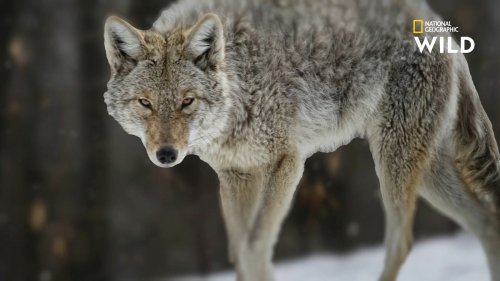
point(166, 155)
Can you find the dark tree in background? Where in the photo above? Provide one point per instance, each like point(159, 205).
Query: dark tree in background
point(79, 200)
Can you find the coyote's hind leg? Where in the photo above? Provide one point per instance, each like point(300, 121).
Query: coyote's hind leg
point(398, 184)
point(445, 190)
point(400, 162)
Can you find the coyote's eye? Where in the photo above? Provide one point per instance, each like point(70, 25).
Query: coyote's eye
point(144, 102)
point(187, 102)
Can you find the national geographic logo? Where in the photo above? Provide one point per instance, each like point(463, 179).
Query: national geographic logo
point(435, 26)
point(418, 26)
point(446, 43)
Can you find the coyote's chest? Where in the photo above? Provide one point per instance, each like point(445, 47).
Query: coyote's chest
point(242, 155)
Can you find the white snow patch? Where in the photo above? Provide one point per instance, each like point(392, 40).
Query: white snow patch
point(458, 258)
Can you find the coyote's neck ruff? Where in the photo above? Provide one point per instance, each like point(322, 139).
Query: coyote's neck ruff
point(255, 88)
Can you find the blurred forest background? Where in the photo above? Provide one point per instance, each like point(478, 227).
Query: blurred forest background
point(79, 200)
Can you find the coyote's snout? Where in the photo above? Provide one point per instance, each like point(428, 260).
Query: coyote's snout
point(166, 145)
point(256, 87)
point(166, 155)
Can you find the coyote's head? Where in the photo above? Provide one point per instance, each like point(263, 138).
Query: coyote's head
point(168, 89)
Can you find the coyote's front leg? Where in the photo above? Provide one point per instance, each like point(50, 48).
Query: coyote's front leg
point(239, 193)
point(254, 206)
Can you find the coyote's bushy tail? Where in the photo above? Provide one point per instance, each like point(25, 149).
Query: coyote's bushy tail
point(477, 158)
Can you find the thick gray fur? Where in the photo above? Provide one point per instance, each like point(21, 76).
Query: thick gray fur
point(256, 87)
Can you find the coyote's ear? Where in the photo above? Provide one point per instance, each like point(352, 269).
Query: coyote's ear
point(205, 42)
point(124, 45)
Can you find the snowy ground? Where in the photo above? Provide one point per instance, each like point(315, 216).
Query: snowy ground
point(457, 258)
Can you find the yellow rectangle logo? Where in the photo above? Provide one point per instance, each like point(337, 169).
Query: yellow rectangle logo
point(418, 26)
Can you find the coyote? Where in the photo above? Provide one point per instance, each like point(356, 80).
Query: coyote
point(256, 87)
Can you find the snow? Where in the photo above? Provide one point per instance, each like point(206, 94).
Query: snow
point(458, 258)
